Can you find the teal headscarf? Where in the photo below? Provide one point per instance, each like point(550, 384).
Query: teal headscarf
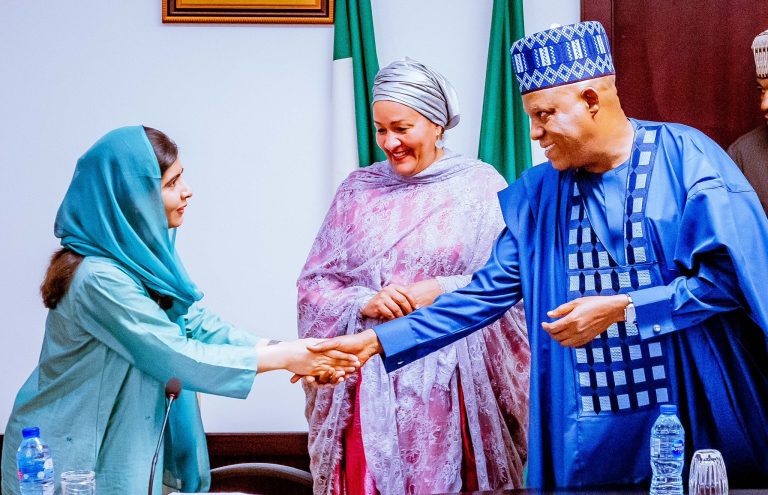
point(114, 209)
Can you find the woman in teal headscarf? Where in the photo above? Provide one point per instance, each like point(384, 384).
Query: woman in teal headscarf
point(123, 319)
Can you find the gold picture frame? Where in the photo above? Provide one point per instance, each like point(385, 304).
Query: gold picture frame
point(248, 11)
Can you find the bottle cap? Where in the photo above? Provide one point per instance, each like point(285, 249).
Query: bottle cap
point(34, 431)
point(668, 409)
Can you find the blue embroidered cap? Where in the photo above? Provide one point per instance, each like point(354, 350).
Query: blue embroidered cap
point(561, 55)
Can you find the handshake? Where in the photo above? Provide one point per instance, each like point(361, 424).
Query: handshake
point(319, 361)
point(324, 361)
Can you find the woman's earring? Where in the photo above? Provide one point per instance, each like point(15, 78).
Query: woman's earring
point(439, 143)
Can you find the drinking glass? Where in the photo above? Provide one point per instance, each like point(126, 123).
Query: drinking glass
point(78, 483)
point(707, 475)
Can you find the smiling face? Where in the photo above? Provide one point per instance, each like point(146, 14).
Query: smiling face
point(176, 194)
point(562, 123)
point(762, 84)
point(406, 137)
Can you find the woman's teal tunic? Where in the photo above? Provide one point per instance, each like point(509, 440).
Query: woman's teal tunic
point(98, 391)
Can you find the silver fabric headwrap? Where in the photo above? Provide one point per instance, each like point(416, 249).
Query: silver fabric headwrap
point(417, 86)
point(760, 50)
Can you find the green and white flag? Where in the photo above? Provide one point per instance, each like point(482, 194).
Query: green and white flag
point(504, 133)
point(354, 67)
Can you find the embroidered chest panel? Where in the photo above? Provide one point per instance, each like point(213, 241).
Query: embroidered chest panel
point(617, 372)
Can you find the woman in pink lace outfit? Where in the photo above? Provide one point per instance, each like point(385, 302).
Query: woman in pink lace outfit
point(398, 234)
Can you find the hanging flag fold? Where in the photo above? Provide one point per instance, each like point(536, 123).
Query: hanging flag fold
point(504, 133)
point(354, 67)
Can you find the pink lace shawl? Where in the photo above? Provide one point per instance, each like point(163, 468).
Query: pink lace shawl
point(383, 229)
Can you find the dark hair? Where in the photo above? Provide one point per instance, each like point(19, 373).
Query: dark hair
point(165, 149)
point(64, 262)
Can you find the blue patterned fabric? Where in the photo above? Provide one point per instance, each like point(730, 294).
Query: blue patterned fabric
point(617, 372)
point(561, 55)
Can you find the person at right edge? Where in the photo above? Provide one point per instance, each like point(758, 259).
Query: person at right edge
point(750, 151)
point(641, 254)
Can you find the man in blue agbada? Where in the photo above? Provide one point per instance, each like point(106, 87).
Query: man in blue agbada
point(641, 253)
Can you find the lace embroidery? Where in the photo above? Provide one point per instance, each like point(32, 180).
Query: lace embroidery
point(383, 229)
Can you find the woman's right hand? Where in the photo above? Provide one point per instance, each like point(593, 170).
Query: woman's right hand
point(393, 301)
point(363, 345)
point(295, 357)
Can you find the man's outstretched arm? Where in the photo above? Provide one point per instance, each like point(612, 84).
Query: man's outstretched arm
point(493, 290)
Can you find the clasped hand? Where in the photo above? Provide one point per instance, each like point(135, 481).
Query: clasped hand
point(579, 321)
point(298, 357)
point(394, 300)
point(362, 345)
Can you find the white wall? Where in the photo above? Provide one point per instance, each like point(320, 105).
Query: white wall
point(248, 106)
point(448, 35)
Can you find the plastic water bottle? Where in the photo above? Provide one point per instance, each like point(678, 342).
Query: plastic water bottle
point(35, 464)
point(667, 453)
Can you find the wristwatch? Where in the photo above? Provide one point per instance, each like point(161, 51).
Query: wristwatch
point(629, 311)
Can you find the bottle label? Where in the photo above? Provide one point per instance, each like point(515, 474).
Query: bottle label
point(655, 447)
point(36, 470)
point(667, 447)
point(678, 448)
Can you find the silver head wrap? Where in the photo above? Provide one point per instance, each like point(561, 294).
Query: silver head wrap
point(417, 86)
point(760, 49)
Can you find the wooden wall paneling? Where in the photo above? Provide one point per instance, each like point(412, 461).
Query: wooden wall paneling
point(288, 449)
point(686, 62)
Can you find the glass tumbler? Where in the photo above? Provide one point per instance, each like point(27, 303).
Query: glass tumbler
point(707, 476)
point(78, 483)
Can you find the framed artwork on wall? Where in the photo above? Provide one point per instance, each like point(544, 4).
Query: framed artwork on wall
point(248, 11)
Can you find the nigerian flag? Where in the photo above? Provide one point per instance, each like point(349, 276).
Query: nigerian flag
point(354, 66)
point(504, 133)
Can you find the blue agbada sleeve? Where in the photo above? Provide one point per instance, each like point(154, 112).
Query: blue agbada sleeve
point(721, 250)
point(493, 290)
